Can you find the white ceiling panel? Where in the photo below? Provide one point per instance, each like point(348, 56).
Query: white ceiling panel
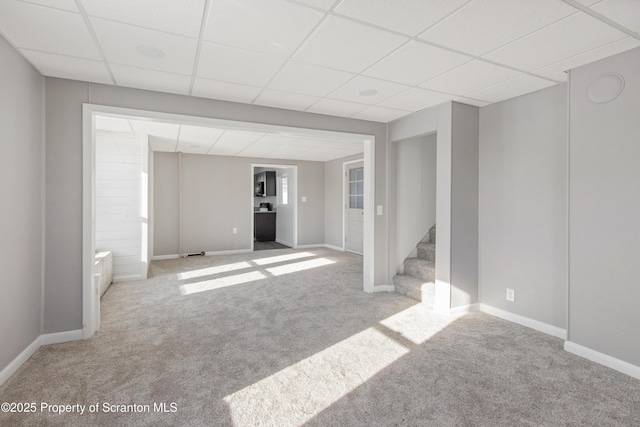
point(69, 5)
point(120, 41)
point(624, 12)
point(469, 101)
point(346, 45)
point(234, 65)
point(415, 63)
point(172, 16)
point(470, 77)
point(380, 114)
point(199, 135)
point(334, 107)
point(40, 28)
point(353, 90)
point(511, 88)
point(308, 79)
point(67, 67)
point(151, 79)
point(207, 88)
point(588, 2)
point(239, 137)
point(405, 16)
point(485, 25)
point(416, 99)
point(158, 143)
point(322, 4)
point(193, 148)
point(577, 34)
point(276, 27)
point(287, 100)
point(112, 124)
point(558, 70)
point(165, 130)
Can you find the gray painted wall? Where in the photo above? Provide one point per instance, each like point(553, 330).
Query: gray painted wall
point(522, 206)
point(604, 208)
point(216, 197)
point(21, 174)
point(333, 202)
point(64, 99)
point(464, 205)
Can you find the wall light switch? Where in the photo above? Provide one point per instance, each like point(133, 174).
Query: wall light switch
point(235, 230)
point(511, 295)
point(304, 199)
point(379, 210)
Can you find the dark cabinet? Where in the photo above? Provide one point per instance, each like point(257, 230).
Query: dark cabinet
point(264, 226)
point(265, 183)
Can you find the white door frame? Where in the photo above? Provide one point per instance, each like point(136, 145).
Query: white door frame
point(90, 296)
point(294, 170)
point(344, 198)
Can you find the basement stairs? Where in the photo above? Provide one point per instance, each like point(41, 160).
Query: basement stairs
point(418, 280)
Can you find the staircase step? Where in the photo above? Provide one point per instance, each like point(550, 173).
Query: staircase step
point(420, 268)
point(415, 288)
point(427, 250)
point(432, 235)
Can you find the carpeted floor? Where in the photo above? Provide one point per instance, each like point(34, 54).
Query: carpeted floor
point(286, 338)
point(266, 246)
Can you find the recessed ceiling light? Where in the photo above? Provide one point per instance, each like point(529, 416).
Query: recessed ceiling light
point(150, 51)
point(369, 92)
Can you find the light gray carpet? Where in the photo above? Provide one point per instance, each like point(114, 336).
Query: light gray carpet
point(254, 339)
point(266, 246)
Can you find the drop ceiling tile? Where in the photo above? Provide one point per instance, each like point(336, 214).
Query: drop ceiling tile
point(162, 130)
point(588, 2)
point(69, 5)
point(416, 99)
point(172, 16)
point(119, 43)
point(239, 137)
point(307, 79)
point(193, 148)
point(334, 107)
point(485, 25)
point(351, 91)
point(415, 63)
point(215, 89)
point(234, 65)
point(511, 88)
point(558, 70)
point(322, 4)
point(151, 79)
point(470, 77)
point(199, 135)
point(112, 124)
point(290, 101)
point(347, 45)
point(29, 26)
point(574, 35)
point(380, 114)
point(624, 12)
point(276, 27)
point(162, 144)
point(405, 16)
point(67, 67)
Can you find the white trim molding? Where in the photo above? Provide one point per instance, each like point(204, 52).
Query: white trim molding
point(525, 321)
point(384, 288)
point(60, 337)
point(603, 359)
point(463, 309)
point(15, 364)
point(161, 257)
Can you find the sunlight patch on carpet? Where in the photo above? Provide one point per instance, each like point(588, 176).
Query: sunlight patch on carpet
point(223, 282)
point(282, 258)
point(299, 266)
point(209, 271)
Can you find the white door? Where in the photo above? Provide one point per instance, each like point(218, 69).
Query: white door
point(354, 207)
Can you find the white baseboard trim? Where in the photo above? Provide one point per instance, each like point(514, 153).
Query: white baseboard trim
point(15, 364)
point(45, 339)
point(60, 337)
point(335, 248)
point(603, 359)
point(384, 288)
point(320, 245)
point(282, 242)
point(161, 257)
point(130, 278)
point(525, 321)
point(464, 309)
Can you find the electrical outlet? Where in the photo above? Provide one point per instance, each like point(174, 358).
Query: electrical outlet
point(235, 230)
point(511, 295)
